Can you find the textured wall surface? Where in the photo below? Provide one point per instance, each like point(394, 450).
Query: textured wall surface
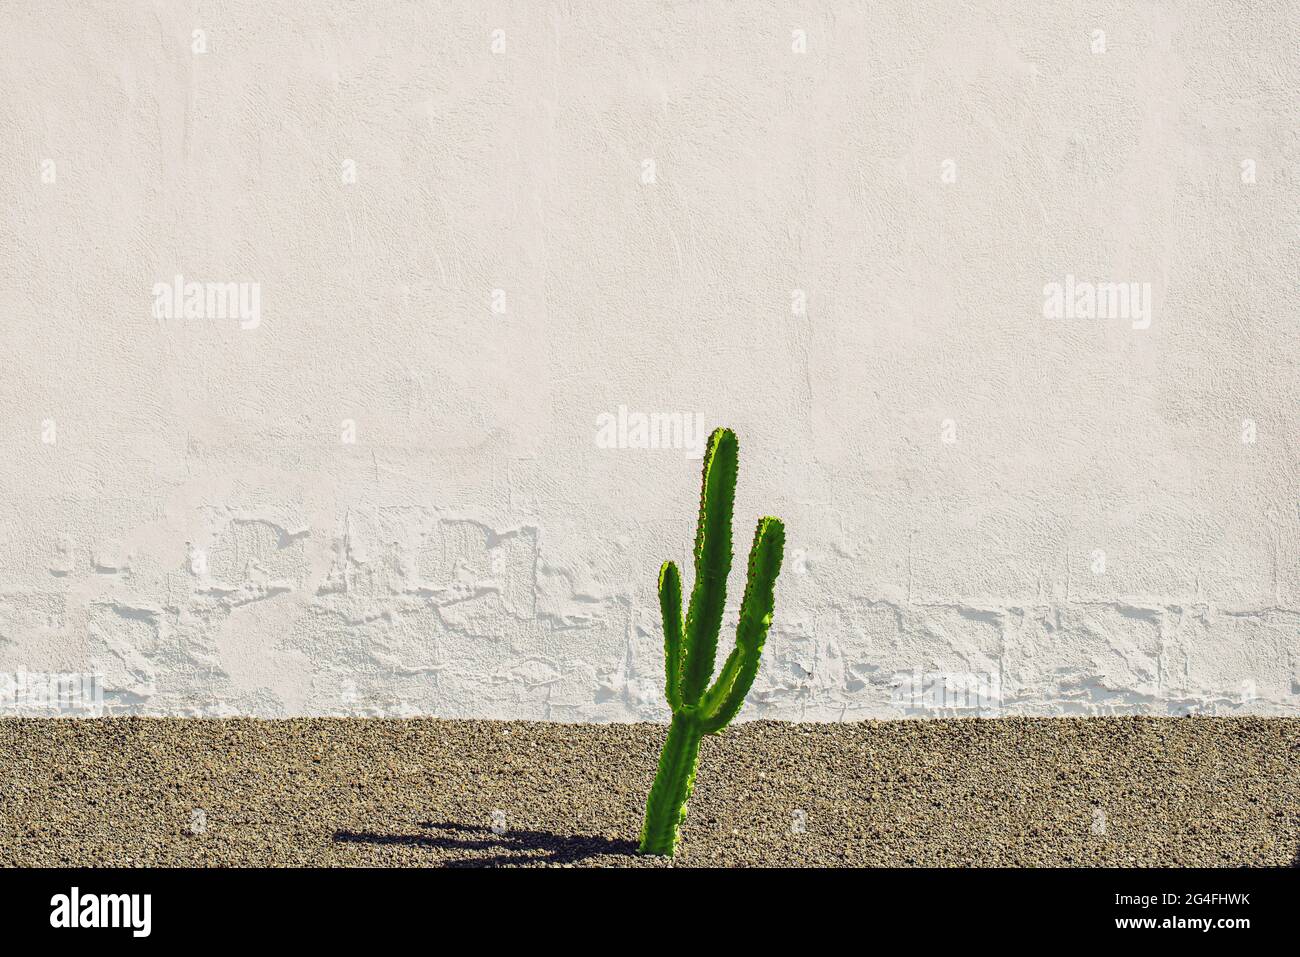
point(484, 239)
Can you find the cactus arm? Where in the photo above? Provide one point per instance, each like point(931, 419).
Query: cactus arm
point(755, 618)
point(714, 697)
point(730, 706)
point(670, 607)
point(712, 564)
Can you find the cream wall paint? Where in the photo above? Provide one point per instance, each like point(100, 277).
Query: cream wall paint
point(180, 511)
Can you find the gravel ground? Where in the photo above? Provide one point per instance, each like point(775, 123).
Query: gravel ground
point(1011, 792)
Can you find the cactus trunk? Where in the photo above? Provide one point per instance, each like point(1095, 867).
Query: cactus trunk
point(666, 808)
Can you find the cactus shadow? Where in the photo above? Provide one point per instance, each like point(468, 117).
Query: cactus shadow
point(512, 847)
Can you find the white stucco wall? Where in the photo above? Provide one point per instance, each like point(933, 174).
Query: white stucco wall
point(181, 514)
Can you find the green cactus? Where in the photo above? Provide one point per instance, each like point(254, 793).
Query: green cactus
point(689, 653)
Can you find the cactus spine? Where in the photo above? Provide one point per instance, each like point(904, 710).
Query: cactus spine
point(689, 651)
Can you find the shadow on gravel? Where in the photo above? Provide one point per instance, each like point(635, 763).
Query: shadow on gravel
point(513, 846)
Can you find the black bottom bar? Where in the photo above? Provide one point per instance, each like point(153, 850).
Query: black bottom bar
point(373, 906)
